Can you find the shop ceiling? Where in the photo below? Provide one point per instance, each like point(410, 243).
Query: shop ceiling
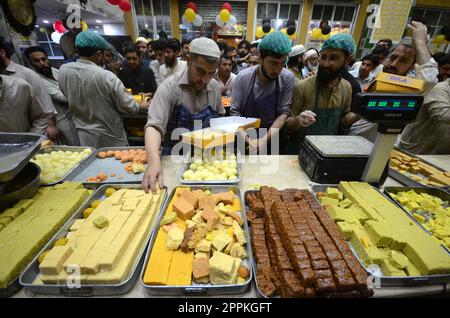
point(52, 10)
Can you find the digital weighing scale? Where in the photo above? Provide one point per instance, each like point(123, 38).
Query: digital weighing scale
point(330, 159)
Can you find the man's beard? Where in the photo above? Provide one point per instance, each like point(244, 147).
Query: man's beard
point(170, 63)
point(266, 75)
point(325, 76)
point(45, 71)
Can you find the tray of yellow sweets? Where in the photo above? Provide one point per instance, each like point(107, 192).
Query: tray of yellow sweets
point(388, 242)
point(201, 246)
point(99, 252)
point(27, 226)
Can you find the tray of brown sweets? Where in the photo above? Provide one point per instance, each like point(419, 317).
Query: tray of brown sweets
point(298, 249)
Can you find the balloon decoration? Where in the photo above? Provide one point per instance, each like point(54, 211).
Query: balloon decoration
point(56, 37)
point(316, 34)
point(190, 15)
point(291, 30)
point(192, 5)
point(84, 25)
point(265, 28)
point(443, 37)
point(326, 29)
point(59, 27)
point(225, 18)
point(125, 5)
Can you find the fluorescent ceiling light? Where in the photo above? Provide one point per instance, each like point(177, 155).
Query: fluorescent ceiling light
point(46, 21)
point(99, 21)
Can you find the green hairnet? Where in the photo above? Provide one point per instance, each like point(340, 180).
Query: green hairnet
point(276, 42)
point(91, 39)
point(342, 41)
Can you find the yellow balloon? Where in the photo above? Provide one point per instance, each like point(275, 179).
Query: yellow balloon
point(259, 32)
point(284, 31)
point(316, 33)
point(439, 39)
point(271, 30)
point(190, 15)
point(324, 37)
point(293, 36)
point(84, 26)
point(224, 15)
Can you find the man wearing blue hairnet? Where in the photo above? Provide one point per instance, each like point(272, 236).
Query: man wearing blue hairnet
point(321, 103)
point(265, 91)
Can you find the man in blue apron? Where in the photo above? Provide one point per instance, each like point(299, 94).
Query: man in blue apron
point(187, 96)
point(265, 91)
point(321, 103)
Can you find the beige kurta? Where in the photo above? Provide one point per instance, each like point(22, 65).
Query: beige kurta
point(20, 110)
point(165, 72)
point(96, 98)
point(430, 133)
point(40, 91)
point(177, 91)
point(64, 121)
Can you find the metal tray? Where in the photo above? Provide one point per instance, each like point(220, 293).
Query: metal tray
point(27, 279)
point(15, 285)
point(95, 165)
point(16, 149)
point(390, 281)
point(404, 179)
point(65, 148)
point(185, 167)
point(443, 195)
point(200, 289)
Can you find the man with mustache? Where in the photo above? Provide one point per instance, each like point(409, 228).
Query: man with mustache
point(188, 96)
point(321, 103)
point(265, 91)
point(38, 58)
point(401, 61)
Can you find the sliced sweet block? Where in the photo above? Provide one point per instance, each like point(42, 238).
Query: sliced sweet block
point(183, 208)
point(157, 270)
point(180, 272)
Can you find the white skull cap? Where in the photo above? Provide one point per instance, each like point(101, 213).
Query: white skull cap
point(204, 46)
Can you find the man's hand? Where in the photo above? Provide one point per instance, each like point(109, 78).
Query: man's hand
point(223, 90)
point(52, 133)
point(144, 105)
point(306, 118)
point(419, 33)
point(153, 174)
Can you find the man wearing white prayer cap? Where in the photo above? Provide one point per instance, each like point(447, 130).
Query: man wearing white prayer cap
point(187, 96)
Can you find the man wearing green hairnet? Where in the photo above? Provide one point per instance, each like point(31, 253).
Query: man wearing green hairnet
point(321, 103)
point(96, 96)
point(265, 91)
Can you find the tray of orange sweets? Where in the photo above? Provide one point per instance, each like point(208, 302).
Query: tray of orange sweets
point(112, 165)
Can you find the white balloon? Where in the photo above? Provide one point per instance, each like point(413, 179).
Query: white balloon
point(232, 21)
point(219, 22)
point(184, 20)
point(198, 20)
point(56, 36)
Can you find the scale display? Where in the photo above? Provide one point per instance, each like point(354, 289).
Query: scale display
point(392, 105)
point(387, 108)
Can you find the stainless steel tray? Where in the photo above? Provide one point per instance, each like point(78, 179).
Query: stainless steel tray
point(443, 195)
point(404, 179)
point(66, 148)
point(185, 167)
point(95, 165)
point(200, 289)
point(16, 149)
point(27, 279)
point(14, 286)
point(390, 281)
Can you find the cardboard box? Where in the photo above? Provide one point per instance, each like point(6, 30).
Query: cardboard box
point(392, 83)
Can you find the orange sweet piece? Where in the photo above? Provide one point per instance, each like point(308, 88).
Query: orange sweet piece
point(110, 153)
point(102, 155)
